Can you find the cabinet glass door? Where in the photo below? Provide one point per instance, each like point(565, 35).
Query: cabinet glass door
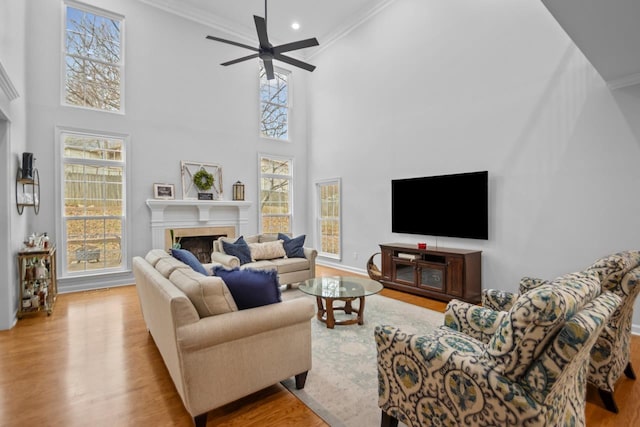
point(404, 272)
point(431, 276)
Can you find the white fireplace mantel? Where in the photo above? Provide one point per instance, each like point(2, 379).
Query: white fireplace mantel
point(196, 213)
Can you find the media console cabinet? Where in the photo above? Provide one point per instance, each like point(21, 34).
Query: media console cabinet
point(441, 273)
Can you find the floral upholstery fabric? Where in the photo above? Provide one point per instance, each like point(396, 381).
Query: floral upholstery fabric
point(618, 273)
point(532, 371)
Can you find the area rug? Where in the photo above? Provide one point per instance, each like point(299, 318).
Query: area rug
point(342, 386)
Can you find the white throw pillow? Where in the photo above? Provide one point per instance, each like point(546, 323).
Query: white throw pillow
point(267, 250)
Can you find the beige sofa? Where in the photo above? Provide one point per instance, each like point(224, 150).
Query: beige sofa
point(290, 270)
point(214, 353)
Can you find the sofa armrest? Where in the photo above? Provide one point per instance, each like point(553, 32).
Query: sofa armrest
point(229, 261)
point(214, 330)
point(472, 320)
point(310, 254)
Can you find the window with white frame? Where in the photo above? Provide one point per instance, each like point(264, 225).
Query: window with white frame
point(93, 58)
point(93, 176)
point(328, 218)
point(274, 105)
point(276, 189)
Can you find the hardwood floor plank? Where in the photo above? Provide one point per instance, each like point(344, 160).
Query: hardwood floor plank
point(93, 363)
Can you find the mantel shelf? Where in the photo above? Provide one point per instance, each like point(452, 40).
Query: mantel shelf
point(205, 208)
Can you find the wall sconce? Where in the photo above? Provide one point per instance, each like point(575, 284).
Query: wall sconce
point(238, 191)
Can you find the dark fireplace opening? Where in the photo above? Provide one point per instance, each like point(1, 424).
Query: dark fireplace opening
point(200, 246)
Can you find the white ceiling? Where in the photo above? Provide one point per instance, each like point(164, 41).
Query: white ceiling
point(325, 20)
point(606, 31)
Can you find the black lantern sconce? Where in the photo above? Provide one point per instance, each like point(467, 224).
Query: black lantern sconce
point(238, 191)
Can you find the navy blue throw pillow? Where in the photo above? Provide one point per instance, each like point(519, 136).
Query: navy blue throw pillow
point(251, 288)
point(189, 259)
point(293, 247)
point(239, 248)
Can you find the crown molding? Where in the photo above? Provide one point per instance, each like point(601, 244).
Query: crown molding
point(5, 84)
point(630, 80)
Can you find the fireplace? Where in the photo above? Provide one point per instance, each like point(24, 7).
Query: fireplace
point(196, 218)
point(198, 240)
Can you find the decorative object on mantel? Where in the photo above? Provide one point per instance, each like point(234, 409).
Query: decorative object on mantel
point(164, 191)
point(198, 178)
point(238, 191)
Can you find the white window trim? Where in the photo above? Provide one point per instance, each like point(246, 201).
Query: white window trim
point(63, 81)
point(291, 185)
point(289, 106)
point(318, 226)
point(59, 205)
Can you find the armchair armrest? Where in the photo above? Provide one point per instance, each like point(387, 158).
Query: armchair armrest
point(498, 300)
point(478, 322)
point(528, 283)
point(229, 261)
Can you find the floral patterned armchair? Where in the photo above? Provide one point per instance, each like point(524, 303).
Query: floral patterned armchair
point(610, 356)
point(527, 366)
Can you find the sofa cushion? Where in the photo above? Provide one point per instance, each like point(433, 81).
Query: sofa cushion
point(293, 246)
point(267, 250)
point(154, 255)
point(189, 259)
point(251, 288)
point(239, 249)
point(168, 265)
point(289, 265)
point(209, 294)
point(265, 264)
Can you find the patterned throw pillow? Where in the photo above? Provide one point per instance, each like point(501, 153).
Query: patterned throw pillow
point(293, 247)
point(189, 259)
point(239, 249)
point(267, 250)
point(251, 288)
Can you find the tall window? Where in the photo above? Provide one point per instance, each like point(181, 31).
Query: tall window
point(328, 218)
point(93, 58)
point(274, 105)
point(93, 208)
point(276, 178)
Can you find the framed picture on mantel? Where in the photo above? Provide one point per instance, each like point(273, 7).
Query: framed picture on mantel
point(164, 191)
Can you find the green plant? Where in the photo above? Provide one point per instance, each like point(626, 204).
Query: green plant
point(203, 180)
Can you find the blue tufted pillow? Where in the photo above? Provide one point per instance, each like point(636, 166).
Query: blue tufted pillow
point(239, 248)
point(251, 288)
point(293, 247)
point(189, 259)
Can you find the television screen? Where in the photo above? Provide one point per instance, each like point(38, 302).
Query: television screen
point(445, 205)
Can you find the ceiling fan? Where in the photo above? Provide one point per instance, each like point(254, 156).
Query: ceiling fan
point(267, 52)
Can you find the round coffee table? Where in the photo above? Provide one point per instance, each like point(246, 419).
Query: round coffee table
point(341, 288)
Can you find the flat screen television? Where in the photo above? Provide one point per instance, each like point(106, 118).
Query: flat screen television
point(446, 205)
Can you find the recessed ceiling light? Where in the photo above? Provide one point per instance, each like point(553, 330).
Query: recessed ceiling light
point(295, 26)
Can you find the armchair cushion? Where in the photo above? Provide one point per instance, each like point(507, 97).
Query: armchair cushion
point(293, 246)
point(477, 322)
point(251, 288)
point(239, 249)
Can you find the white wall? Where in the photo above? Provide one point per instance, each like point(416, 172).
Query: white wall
point(13, 137)
point(180, 105)
point(432, 87)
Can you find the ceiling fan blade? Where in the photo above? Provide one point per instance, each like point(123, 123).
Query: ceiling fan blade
point(294, 62)
point(218, 39)
point(261, 28)
point(268, 67)
point(244, 58)
point(301, 44)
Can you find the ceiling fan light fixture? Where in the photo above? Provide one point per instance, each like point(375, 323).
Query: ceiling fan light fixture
point(266, 51)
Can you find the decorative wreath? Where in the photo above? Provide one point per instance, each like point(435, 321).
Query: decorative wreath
point(203, 180)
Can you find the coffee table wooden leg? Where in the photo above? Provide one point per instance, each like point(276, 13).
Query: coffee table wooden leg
point(321, 309)
point(331, 320)
point(361, 311)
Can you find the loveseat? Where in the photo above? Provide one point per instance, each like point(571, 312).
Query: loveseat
point(293, 262)
point(215, 353)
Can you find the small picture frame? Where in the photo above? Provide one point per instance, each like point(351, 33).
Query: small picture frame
point(164, 191)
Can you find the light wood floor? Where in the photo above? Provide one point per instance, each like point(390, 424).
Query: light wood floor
point(92, 363)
